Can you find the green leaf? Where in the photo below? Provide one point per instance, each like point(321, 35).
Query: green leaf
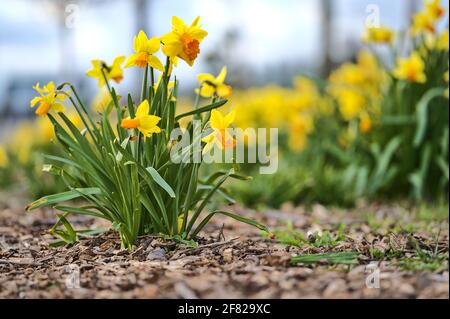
point(68, 235)
point(422, 114)
point(202, 109)
point(160, 181)
point(62, 197)
point(79, 211)
point(234, 216)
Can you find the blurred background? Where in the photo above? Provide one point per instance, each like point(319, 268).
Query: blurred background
point(261, 41)
point(350, 126)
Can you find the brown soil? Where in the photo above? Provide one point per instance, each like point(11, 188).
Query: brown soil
point(232, 260)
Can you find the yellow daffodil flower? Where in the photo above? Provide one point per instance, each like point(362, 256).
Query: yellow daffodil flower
point(380, 35)
point(145, 48)
point(102, 100)
point(3, 157)
point(211, 85)
point(184, 41)
point(351, 103)
point(45, 131)
point(300, 126)
point(113, 72)
point(145, 123)
point(423, 22)
point(220, 136)
point(411, 69)
point(434, 9)
point(48, 99)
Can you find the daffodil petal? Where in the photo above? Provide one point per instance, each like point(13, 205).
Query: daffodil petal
point(143, 109)
point(34, 101)
point(222, 75)
point(153, 45)
point(203, 77)
point(131, 60)
point(217, 120)
point(154, 62)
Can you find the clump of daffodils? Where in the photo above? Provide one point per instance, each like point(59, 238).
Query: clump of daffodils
point(292, 110)
point(357, 89)
point(121, 165)
point(405, 106)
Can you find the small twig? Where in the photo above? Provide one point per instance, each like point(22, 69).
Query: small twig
point(200, 248)
point(221, 234)
point(19, 262)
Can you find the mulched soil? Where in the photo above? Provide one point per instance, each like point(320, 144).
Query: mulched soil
point(232, 260)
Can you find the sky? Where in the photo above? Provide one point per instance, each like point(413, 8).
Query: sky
point(270, 32)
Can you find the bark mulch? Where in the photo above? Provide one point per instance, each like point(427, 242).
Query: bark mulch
point(232, 260)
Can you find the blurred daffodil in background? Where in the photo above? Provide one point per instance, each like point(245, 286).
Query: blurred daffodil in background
point(101, 100)
point(425, 21)
point(100, 70)
point(379, 35)
point(214, 86)
point(411, 69)
point(220, 135)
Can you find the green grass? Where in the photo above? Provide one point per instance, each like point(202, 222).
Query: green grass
point(289, 236)
point(343, 258)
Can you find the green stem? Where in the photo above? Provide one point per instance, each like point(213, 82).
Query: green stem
point(116, 104)
point(197, 102)
point(144, 85)
point(208, 115)
point(81, 116)
point(152, 82)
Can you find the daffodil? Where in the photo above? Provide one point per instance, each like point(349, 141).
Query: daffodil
point(3, 157)
point(48, 99)
point(211, 86)
point(102, 100)
point(113, 72)
point(300, 126)
point(44, 131)
point(220, 135)
point(147, 124)
point(184, 41)
point(380, 35)
point(423, 23)
point(144, 49)
point(411, 69)
point(351, 103)
point(434, 9)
